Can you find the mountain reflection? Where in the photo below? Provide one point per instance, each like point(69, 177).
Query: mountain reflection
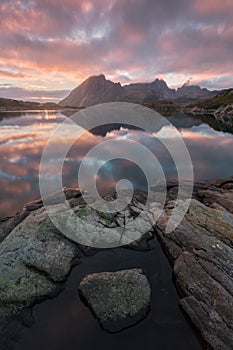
point(23, 137)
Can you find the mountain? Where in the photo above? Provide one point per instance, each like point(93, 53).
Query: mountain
point(194, 91)
point(158, 88)
point(94, 90)
point(140, 96)
point(97, 89)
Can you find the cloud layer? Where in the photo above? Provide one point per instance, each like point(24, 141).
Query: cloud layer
point(55, 44)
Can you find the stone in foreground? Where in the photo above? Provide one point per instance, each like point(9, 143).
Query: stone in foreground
point(202, 256)
point(118, 299)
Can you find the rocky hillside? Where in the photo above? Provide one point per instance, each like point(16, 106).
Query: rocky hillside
point(93, 91)
point(223, 98)
point(220, 106)
point(97, 89)
point(157, 90)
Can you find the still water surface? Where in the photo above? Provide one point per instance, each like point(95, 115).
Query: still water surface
point(64, 322)
point(23, 136)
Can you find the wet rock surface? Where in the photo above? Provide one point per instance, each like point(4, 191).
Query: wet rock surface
point(200, 250)
point(36, 257)
point(34, 260)
point(118, 299)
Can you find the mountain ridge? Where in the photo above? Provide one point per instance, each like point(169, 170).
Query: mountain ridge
point(97, 89)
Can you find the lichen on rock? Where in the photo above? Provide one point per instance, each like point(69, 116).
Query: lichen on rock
point(118, 299)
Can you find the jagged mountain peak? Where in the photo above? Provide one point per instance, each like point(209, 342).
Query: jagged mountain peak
point(94, 90)
point(159, 80)
point(97, 89)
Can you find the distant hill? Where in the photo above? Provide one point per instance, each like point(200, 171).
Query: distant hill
point(7, 104)
point(97, 89)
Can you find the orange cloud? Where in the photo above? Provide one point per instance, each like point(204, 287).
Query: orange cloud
point(9, 74)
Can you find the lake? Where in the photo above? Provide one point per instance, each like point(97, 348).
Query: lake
point(64, 322)
point(23, 136)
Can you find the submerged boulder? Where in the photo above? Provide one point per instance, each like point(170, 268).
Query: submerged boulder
point(118, 299)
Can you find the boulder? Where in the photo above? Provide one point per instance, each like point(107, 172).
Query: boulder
point(118, 299)
point(34, 259)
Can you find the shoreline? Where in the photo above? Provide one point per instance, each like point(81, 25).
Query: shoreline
point(189, 248)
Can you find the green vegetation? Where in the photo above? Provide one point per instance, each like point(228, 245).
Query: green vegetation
point(108, 217)
point(224, 98)
point(165, 107)
point(83, 212)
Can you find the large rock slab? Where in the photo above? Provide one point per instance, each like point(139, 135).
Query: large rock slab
point(118, 299)
point(34, 259)
point(200, 250)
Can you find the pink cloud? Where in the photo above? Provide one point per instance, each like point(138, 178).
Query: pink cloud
point(133, 40)
point(209, 7)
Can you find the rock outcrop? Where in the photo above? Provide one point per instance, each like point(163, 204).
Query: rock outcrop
point(200, 250)
point(219, 106)
point(118, 299)
point(36, 258)
point(224, 114)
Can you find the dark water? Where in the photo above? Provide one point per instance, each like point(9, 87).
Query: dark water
point(64, 322)
point(23, 137)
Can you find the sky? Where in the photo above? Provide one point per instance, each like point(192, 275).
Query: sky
point(48, 47)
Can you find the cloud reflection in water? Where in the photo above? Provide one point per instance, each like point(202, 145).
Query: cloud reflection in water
point(22, 141)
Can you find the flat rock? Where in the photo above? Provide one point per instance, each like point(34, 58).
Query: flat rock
point(8, 224)
point(87, 226)
point(118, 299)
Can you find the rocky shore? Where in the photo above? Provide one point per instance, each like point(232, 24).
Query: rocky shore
point(223, 114)
point(200, 250)
point(37, 258)
point(219, 106)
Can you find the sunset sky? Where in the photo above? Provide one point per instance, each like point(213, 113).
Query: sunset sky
point(50, 46)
